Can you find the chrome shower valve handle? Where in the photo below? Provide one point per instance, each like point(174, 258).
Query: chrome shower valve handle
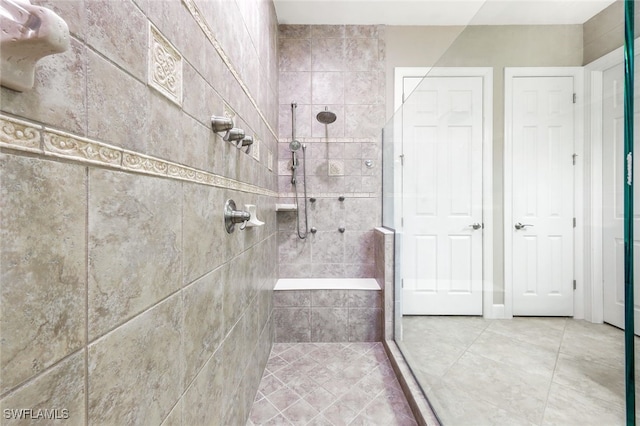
point(221, 124)
point(233, 135)
point(233, 216)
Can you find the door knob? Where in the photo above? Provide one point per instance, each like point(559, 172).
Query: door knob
point(475, 226)
point(519, 225)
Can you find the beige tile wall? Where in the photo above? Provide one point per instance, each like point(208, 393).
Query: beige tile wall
point(123, 300)
point(342, 68)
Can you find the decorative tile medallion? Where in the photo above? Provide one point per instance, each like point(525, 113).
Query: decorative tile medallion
point(228, 111)
point(165, 66)
point(336, 168)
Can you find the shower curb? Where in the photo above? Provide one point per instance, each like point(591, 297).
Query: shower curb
point(424, 414)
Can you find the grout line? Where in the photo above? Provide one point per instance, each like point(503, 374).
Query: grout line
point(467, 349)
point(555, 366)
point(86, 300)
point(40, 373)
point(182, 320)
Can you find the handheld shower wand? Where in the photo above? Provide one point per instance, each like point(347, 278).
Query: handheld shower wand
point(294, 146)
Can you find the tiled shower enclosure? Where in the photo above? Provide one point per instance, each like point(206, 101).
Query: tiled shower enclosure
point(340, 68)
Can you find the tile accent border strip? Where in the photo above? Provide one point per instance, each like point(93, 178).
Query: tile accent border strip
point(204, 26)
point(31, 137)
point(21, 135)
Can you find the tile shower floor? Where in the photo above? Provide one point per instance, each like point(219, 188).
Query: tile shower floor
point(329, 384)
point(525, 371)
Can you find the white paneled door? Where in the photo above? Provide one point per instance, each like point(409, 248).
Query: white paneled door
point(541, 224)
point(442, 196)
point(613, 172)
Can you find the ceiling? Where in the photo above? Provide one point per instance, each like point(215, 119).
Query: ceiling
point(437, 12)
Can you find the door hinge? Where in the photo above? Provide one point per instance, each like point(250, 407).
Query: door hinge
point(574, 222)
point(573, 157)
point(402, 283)
point(575, 98)
point(402, 221)
point(574, 284)
point(402, 159)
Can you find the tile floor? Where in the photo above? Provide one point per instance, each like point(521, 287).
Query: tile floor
point(525, 371)
point(329, 384)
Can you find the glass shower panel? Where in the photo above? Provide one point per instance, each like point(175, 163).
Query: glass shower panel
point(631, 211)
point(504, 172)
point(389, 168)
point(392, 203)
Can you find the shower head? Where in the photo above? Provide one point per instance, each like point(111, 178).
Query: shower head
point(294, 145)
point(326, 116)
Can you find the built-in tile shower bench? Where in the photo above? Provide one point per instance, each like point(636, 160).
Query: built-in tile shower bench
point(339, 309)
point(327, 310)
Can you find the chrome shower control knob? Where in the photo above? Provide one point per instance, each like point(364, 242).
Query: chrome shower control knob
point(221, 124)
point(233, 135)
point(313, 230)
point(341, 198)
point(248, 140)
point(233, 216)
point(341, 229)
